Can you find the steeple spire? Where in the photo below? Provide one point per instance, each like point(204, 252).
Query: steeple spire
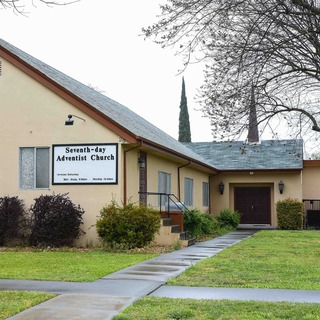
point(253, 134)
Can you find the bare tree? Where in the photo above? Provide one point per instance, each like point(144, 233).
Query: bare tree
point(19, 6)
point(270, 45)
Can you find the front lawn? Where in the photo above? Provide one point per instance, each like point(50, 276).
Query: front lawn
point(155, 308)
point(64, 266)
point(12, 302)
point(269, 259)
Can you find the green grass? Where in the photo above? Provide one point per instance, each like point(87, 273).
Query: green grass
point(154, 308)
point(12, 302)
point(270, 259)
point(64, 266)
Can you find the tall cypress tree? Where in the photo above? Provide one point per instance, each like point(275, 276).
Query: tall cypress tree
point(184, 123)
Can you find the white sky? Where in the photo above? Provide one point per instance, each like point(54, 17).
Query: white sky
point(97, 42)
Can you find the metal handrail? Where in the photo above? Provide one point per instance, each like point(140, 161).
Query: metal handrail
point(170, 197)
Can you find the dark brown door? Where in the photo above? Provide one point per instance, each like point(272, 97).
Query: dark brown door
point(143, 178)
point(254, 204)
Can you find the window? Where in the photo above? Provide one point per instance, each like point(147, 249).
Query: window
point(164, 186)
point(205, 194)
point(34, 168)
point(188, 192)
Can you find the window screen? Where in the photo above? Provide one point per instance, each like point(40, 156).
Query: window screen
point(164, 186)
point(188, 192)
point(34, 168)
point(205, 194)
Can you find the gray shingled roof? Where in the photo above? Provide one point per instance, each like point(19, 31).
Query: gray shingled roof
point(268, 155)
point(122, 115)
point(283, 154)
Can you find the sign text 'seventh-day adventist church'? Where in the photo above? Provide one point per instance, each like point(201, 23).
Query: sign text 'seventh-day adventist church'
point(85, 164)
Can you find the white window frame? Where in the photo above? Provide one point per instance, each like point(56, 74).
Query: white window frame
point(188, 192)
point(29, 170)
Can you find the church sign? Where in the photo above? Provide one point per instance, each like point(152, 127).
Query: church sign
point(85, 164)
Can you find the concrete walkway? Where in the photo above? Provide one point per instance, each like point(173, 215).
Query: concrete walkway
point(106, 297)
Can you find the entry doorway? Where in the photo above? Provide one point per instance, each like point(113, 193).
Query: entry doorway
point(254, 204)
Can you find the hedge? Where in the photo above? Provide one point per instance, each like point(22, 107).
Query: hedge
point(290, 214)
point(127, 227)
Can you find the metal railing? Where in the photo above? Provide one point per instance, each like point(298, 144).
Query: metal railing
point(311, 213)
point(171, 199)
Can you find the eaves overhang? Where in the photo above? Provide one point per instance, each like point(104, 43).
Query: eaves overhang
point(311, 163)
point(261, 170)
point(96, 114)
point(172, 153)
point(67, 95)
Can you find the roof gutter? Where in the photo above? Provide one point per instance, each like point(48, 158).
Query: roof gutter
point(125, 172)
point(179, 182)
point(154, 146)
point(260, 170)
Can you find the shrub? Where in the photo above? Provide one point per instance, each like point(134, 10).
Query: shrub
point(229, 218)
point(127, 227)
point(12, 217)
point(290, 214)
point(197, 223)
point(55, 221)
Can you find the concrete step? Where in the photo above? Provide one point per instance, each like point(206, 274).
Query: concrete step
point(166, 221)
point(175, 229)
point(187, 241)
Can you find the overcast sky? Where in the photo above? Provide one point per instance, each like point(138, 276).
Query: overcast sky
point(99, 42)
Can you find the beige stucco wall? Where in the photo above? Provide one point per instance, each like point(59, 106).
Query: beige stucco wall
point(156, 164)
point(32, 116)
point(310, 182)
point(292, 189)
point(132, 172)
point(198, 179)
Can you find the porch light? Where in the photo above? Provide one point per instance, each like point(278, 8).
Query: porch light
point(281, 186)
point(69, 122)
point(221, 187)
point(142, 163)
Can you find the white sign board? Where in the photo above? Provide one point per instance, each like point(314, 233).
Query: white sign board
point(85, 164)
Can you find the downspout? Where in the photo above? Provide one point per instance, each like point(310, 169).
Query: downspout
point(179, 182)
point(211, 176)
point(125, 172)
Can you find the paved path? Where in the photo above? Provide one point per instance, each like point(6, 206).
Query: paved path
point(106, 297)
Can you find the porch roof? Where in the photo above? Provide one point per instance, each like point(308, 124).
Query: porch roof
point(238, 155)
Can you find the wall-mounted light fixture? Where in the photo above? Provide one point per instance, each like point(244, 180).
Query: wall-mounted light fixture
point(69, 122)
point(281, 186)
point(221, 187)
point(142, 162)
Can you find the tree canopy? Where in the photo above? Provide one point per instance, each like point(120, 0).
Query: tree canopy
point(272, 46)
point(19, 6)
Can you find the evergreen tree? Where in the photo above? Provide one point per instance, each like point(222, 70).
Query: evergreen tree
point(184, 123)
